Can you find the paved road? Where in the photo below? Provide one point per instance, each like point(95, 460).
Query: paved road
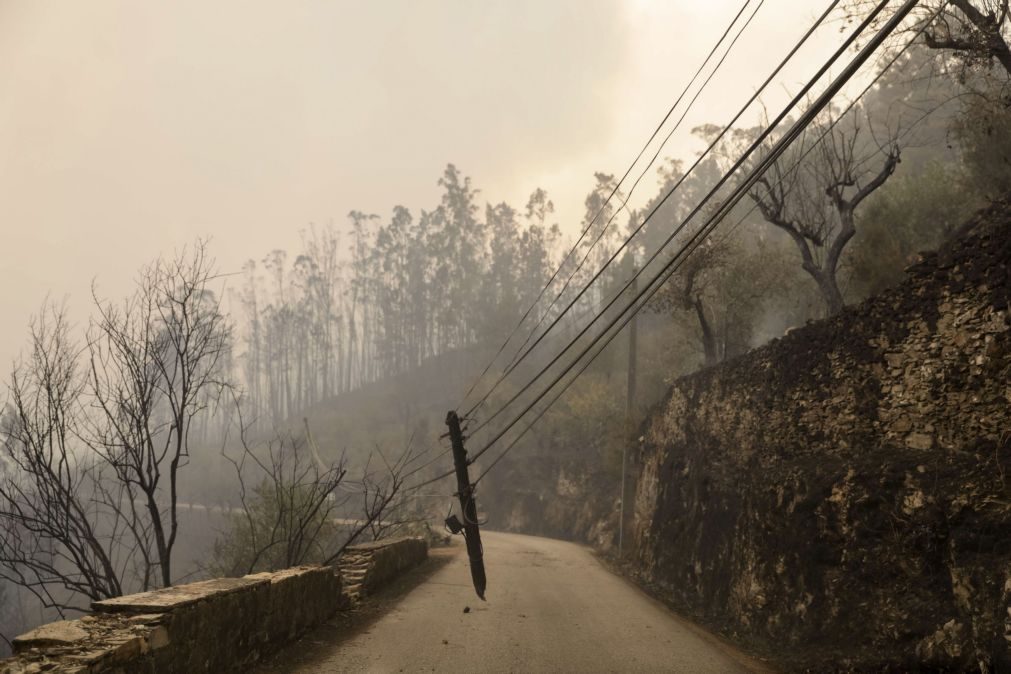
point(551, 608)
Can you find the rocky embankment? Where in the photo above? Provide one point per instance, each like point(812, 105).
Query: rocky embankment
point(568, 500)
point(843, 495)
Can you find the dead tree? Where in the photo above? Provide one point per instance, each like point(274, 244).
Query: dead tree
point(974, 32)
point(383, 509)
point(975, 29)
point(53, 543)
point(814, 199)
point(93, 447)
point(154, 368)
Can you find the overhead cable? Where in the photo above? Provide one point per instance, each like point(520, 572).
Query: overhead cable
point(607, 201)
point(640, 300)
point(796, 165)
point(799, 97)
point(600, 235)
point(739, 191)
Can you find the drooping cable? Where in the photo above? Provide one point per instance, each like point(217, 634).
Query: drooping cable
point(600, 235)
point(607, 201)
point(523, 352)
point(796, 165)
point(669, 269)
point(738, 193)
point(793, 103)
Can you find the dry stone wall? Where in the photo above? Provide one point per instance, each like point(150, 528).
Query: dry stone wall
point(369, 566)
point(841, 498)
point(219, 625)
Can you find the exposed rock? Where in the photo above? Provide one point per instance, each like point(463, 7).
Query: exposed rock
point(919, 441)
point(844, 494)
point(944, 645)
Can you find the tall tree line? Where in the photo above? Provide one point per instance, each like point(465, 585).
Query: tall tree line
point(377, 299)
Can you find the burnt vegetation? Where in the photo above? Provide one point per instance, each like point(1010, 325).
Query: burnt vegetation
point(215, 423)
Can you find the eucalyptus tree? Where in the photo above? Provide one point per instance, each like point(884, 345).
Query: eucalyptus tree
point(457, 249)
point(537, 247)
point(359, 288)
point(392, 264)
point(321, 246)
point(500, 286)
point(252, 334)
point(328, 319)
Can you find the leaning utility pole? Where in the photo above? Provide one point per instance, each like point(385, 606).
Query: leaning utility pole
point(633, 338)
point(468, 506)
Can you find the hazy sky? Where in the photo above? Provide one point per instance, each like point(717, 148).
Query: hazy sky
point(130, 127)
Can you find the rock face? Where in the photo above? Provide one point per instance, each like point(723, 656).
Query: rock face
point(578, 504)
point(844, 494)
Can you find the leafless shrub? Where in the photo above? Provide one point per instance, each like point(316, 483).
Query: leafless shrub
point(295, 509)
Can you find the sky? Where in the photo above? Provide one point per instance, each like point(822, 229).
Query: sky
point(129, 128)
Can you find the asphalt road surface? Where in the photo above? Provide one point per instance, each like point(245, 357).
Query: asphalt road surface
point(551, 608)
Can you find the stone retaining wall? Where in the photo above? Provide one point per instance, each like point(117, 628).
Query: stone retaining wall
point(369, 566)
point(218, 625)
point(841, 498)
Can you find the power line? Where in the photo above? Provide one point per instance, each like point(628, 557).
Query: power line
point(521, 355)
point(614, 214)
point(428, 463)
point(614, 191)
point(778, 148)
point(796, 165)
point(821, 72)
point(725, 209)
point(440, 476)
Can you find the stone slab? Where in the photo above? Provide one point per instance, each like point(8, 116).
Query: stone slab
point(376, 545)
point(59, 633)
point(173, 598)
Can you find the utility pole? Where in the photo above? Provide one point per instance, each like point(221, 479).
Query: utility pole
point(633, 338)
point(468, 506)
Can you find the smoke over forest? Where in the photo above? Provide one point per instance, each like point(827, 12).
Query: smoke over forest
point(212, 420)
